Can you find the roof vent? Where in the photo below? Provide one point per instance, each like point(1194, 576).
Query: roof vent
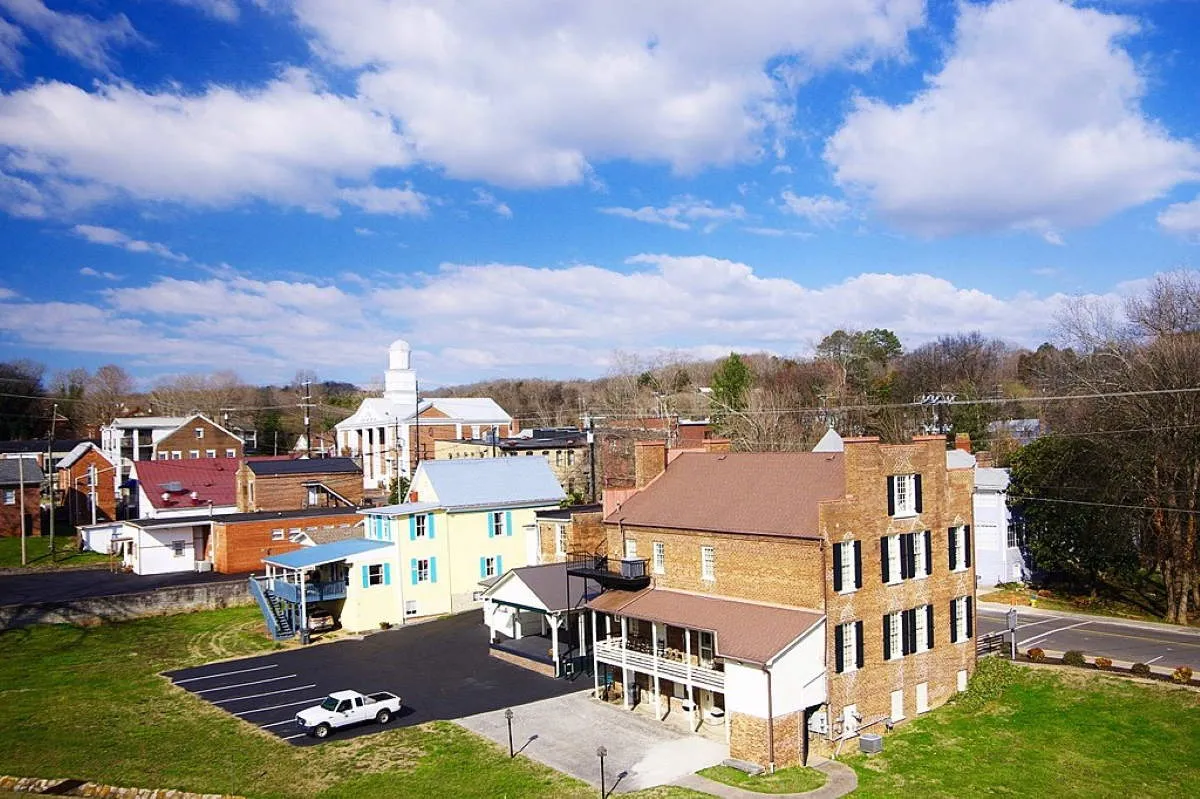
point(195, 496)
point(174, 486)
point(166, 497)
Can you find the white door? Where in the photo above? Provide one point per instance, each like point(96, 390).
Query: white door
point(897, 705)
point(630, 549)
point(922, 697)
point(532, 549)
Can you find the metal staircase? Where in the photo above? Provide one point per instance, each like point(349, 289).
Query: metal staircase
point(276, 611)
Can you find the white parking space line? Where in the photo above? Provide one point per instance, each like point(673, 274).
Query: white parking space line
point(268, 693)
point(244, 684)
point(226, 673)
point(278, 707)
point(290, 737)
point(277, 723)
point(1028, 641)
point(1151, 660)
point(1034, 623)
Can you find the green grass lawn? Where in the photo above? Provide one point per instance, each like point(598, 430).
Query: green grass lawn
point(1044, 732)
point(37, 549)
point(87, 703)
point(787, 780)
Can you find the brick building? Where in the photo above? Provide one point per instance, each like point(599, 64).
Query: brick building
point(566, 450)
point(281, 484)
point(84, 485)
point(791, 597)
point(577, 528)
point(20, 483)
point(240, 541)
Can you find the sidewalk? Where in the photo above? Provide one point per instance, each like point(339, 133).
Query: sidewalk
point(1023, 610)
point(840, 780)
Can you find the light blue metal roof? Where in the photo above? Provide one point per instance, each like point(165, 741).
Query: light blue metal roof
point(403, 509)
point(308, 557)
point(493, 482)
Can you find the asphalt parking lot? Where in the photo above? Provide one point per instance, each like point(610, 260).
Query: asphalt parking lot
point(440, 669)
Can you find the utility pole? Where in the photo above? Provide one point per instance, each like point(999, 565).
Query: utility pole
point(417, 422)
point(50, 474)
point(21, 489)
point(307, 405)
point(591, 437)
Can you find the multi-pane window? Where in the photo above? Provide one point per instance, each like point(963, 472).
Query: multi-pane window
point(923, 628)
point(277, 534)
point(660, 557)
point(560, 539)
point(961, 619)
point(907, 632)
point(210, 453)
point(420, 525)
point(177, 548)
point(497, 521)
point(10, 496)
point(199, 432)
point(231, 453)
point(489, 567)
point(375, 574)
point(422, 570)
point(570, 457)
point(708, 563)
point(960, 547)
point(893, 629)
point(920, 553)
point(889, 558)
point(847, 566)
point(848, 646)
point(904, 495)
point(194, 454)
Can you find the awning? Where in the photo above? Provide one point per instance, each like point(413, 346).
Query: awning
point(311, 557)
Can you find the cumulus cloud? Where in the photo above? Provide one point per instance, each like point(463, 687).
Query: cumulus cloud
point(1182, 219)
point(391, 201)
point(84, 38)
point(535, 95)
point(11, 39)
point(97, 234)
point(224, 10)
point(289, 142)
point(488, 200)
point(1033, 123)
point(821, 210)
point(681, 213)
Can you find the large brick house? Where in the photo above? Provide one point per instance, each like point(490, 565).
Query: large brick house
point(20, 485)
point(284, 484)
point(85, 485)
point(791, 597)
point(566, 450)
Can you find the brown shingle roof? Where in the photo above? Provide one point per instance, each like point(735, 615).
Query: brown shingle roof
point(775, 493)
point(747, 631)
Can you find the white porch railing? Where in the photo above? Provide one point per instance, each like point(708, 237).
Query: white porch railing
point(611, 652)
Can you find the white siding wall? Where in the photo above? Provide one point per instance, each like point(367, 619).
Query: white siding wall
point(797, 679)
point(995, 561)
point(154, 552)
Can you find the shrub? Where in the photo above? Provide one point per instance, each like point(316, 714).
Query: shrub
point(1037, 655)
point(991, 679)
point(1103, 663)
point(1182, 675)
point(1074, 658)
point(1139, 670)
point(1045, 593)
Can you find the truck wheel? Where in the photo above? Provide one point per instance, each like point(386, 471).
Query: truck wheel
point(321, 731)
point(383, 716)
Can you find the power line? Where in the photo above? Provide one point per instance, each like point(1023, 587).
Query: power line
point(1022, 497)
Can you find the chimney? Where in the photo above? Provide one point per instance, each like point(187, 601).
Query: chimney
point(984, 460)
point(962, 441)
point(649, 461)
point(717, 445)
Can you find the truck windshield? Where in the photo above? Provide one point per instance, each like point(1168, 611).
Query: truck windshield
point(329, 704)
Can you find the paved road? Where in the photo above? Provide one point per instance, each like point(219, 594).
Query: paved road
point(441, 670)
point(1094, 637)
point(82, 583)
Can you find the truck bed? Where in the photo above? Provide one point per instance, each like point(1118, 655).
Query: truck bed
point(382, 696)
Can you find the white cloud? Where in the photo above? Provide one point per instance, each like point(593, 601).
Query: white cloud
point(88, 271)
point(6, 293)
point(288, 142)
point(681, 213)
point(535, 95)
point(364, 231)
point(225, 10)
point(1033, 123)
point(97, 234)
point(393, 201)
point(79, 36)
point(11, 39)
point(781, 169)
point(20, 198)
point(819, 209)
point(777, 232)
point(488, 200)
point(1182, 219)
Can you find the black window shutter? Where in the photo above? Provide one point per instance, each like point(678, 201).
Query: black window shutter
point(928, 552)
point(838, 643)
point(891, 496)
point(929, 625)
point(912, 629)
point(858, 564)
point(883, 561)
point(837, 568)
point(858, 643)
point(952, 539)
point(970, 621)
point(967, 547)
point(904, 621)
point(954, 621)
point(887, 636)
point(917, 491)
point(905, 556)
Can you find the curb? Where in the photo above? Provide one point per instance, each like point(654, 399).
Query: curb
point(66, 787)
point(1066, 614)
point(1165, 671)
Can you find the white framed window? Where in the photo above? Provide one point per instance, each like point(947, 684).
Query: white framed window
point(177, 548)
point(847, 566)
point(176, 455)
point(199, 432)
point(10, 496)
point(904, 489)
point(231, 453)
point(922, 697)
point(848, 650)
point(162, 456)
point(294, 536)
point(560, 539)
point(489, 567)
point(897, 705)
point(497, 521)
point(570, 457)
point(634, 627)
point(708, 563)
point(558, 457)
point(375, 574)
point(890, 558)
point(921, 623)
point(420, 525)
point(630, 549)
point(422, 570)
point(894, 628)
point(410, 607)
point(961, 623)
point(920, 543)
point(194, 454)
point(660, 557)
point(277, 534)
point(959, 547)
point(210, 453)
point(1012, 540)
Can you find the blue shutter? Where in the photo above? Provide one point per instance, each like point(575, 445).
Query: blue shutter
point(499, 565)
point(429, 525)
point(387, 574)
point(491, 523)
point(508, 522)
point(366, 572)
point(414, 571)
point(482, 567)
point(412, 528)
point(433, 570)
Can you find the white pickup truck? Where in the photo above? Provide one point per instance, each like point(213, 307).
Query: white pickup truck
point(343, 708)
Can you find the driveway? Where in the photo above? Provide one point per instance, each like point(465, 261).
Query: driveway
point(441, 669)
point(67, 585)
point(563, 732)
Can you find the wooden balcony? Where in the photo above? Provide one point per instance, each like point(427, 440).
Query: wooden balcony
point(313, 592)
point(626, 574)
point(668, 664)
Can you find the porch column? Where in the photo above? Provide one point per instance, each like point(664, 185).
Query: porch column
point(657, 688)
point(554, 641)
point(303, 607)
point(583, 644)
point(595, 658)
point(687, 646)
point(625, 663)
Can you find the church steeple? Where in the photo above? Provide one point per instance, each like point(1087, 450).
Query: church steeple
point(400, 380)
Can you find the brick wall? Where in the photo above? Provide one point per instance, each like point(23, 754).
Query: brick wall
point(649, 460)
point(749, 739)
point(184, 440)
point(585, 533)
point(239, 547)
point(863, 516)
point(76, 491)
point(288, 492)
point(10, 515)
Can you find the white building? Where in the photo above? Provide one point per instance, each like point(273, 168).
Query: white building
point(998, 556)
point(383, 432)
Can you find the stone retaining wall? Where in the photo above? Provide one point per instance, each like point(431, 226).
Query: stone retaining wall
point(123, 607)
point(61, 787)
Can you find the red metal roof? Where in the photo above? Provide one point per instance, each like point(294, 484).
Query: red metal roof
point(213, 479)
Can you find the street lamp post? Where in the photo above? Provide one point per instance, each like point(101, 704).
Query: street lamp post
point(601, 752)
point(508, 714)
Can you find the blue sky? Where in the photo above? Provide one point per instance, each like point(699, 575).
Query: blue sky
point(527, 188)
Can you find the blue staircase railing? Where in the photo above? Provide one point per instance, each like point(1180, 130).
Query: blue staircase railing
point(274, 611)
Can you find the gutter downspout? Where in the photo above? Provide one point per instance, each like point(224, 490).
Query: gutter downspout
point(770, 724)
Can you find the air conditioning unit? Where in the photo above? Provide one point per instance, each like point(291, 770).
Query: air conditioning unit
point(819, 722)
point(203, 565)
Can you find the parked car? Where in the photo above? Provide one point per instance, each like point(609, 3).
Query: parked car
point(344, 708)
